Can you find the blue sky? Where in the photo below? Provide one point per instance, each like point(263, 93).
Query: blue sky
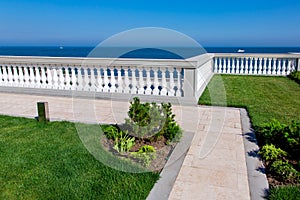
point(211, 23)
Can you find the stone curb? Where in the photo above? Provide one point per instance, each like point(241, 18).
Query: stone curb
point(258, 183)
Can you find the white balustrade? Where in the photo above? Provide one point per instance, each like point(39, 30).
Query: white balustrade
point(161, 77)
point(256, 64)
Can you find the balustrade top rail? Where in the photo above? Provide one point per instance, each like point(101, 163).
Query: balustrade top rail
point(259, 55)
point(97, 61)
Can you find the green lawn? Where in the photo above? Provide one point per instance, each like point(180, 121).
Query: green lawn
point(264, 97)
point(39, 161)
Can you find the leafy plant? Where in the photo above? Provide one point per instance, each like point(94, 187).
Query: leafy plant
point(270, 153)
point(152, 121)
point(145, 155)
point(124, 143)
point(284, 170)
point(145, 119)
point(295, 75)
point(112, 132)
point(287, 137)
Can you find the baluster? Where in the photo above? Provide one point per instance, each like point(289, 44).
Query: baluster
point(155, 83)
point(148, 90)
point(112, 80)
point(163, 82)
point(179, 84)
point(43, 77)
point(49, 77)
point(242, 67)
point(283, 70)
point(141, 89)
point(255, 65)
point(238, 67)
point(67, 78)
point(106, 81)
point(15, 76)
point(133, 81)
point(224, 65)
point(5, 76)
point(279, 67)
point(99, 81)
point(1, 75)
point(21, 76)
point(215, 65)
point(93, 79)
point(233, 66)
point(228, 71)
point(289, 66)
point(260, 66)
point(127, 83)
point(251, 66)
point(73, 78)
point(86, 79)
point(172, 83)
point(264, 71)
point(10, 76)
point(119, 80)
point(31, 76)
point(55, 78)
point(274, 66)
point(246, 66)
point(61, 84)
point(220, 66)
point(38, 77)
point(80, 79)
point(26, 77)
point(269, 66)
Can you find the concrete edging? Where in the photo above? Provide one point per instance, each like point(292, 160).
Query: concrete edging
point(257, 179)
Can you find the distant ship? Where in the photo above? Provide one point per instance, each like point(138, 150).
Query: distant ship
point(61, 47)
point(241, 51)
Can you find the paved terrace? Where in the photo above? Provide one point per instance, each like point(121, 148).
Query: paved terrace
point(215, 164)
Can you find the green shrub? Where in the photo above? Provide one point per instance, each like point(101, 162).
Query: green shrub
point(284, 170)
point(124, 143)
point(152, 121)
point(287, 137)
point(270, 153)
point(271, 132)
point(171, 130)
point(285, 193)
point(295, 75)
point(145, 119)
point(145, 155)
point(111, 132)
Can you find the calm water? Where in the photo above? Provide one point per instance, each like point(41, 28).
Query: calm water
point(132, 52)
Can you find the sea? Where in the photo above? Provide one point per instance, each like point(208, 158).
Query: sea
point(131, 52)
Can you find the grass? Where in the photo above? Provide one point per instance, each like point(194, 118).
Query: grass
point(285, 193)
point(49, 161)
point(265, 98)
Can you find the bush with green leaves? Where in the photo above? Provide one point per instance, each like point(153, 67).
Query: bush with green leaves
point(124, 143)
point(111, 132)
point(270, 153)
point(295, 75)
point(152, 121)
point(284, 170)
point(145, 155)
point(287, 137)
point(285, 192)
